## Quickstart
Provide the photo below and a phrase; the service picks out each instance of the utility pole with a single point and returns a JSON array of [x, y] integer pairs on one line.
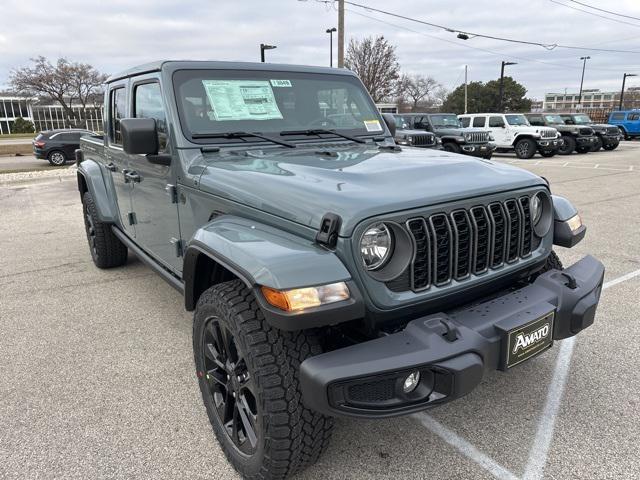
[[500, 109], [465, 89], [330, 31], [624, 79], [340, 33], [584, 64]]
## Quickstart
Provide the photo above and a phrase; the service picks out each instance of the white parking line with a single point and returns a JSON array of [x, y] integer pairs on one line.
[[539, 453]]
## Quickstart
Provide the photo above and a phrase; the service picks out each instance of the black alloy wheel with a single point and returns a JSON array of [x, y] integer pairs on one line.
[[230, 386], [91, 231], [525, 148]]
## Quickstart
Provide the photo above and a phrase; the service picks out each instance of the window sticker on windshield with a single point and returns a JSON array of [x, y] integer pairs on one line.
[[281, 83], [372, 126], [242, 100]]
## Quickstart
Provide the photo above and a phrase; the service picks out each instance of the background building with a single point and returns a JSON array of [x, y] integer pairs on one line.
[[591, 99], [45, 116]]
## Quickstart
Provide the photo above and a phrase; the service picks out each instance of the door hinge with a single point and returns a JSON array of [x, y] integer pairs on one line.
[[132, 218], [173, 192], [177, 243]]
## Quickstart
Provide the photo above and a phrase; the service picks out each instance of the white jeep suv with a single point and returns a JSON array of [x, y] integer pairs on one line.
[[513, 132]]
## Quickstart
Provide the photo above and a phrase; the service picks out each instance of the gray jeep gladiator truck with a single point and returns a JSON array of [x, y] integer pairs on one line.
[[331, 272], [609, 136], [453, 136], [576, 138]]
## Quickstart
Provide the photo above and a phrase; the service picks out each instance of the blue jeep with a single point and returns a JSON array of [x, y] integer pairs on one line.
[[628, 121]]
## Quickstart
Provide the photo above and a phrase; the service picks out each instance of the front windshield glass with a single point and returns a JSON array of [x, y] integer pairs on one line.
[[269, 102], [554, 119], [581, 119], [402, 122], [517, 120], [445, 121]]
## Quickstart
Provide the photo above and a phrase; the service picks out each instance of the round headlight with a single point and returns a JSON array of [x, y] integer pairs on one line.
[[375, 246], [536, 208]]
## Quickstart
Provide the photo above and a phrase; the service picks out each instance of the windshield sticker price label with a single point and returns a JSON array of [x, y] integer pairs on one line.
[[233, 100], [372, 126], [281, 83]]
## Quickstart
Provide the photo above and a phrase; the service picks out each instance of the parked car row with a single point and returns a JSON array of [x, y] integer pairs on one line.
[[481, 134]]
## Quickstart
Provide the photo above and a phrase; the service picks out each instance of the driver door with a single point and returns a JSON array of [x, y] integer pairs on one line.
[[498, 128]]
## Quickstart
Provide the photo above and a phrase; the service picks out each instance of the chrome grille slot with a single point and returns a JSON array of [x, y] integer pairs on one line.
[[525, 246], [547, 133], [467, 242], [481, 239], [585, 131], [499, 225], [613, 130], [462, 236], [422, 140], [479, 137], [442, 251], [420, 271]]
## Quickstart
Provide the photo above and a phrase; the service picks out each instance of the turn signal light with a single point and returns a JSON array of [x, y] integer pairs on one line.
[[574, 222], [302, 298]]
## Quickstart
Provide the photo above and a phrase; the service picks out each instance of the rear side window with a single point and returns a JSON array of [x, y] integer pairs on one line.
[[117, 111], [496, 122], [148, 104], [617, 116], [633, 116], [479, 121], [465, 121]]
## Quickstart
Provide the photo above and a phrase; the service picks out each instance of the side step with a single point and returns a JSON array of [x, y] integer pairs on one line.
[[169, 277]]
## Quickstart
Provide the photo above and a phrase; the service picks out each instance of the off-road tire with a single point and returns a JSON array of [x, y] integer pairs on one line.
[[290, 437], [568, 146], [107, 251], [525, 148], [611, 146], [624, 133], [487, 156], [553, 263], [598, 145], [57, 158], [583, 150], [452, 147], [548, 154]]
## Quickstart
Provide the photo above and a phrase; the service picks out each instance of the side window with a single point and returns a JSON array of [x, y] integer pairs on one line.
[[633, 116], [536, 120], [148, 104], [479, 121], [617, 116], [465, 121], [117, 111], [496, 122]]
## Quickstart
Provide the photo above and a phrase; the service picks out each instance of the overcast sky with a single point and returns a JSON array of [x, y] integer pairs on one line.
[[117, 34]]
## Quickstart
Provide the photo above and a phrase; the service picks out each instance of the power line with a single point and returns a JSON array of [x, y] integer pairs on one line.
[[548, 46], [595, 14], [603, 10]]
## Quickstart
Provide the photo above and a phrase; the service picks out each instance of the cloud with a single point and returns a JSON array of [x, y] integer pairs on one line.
[[117, 34]]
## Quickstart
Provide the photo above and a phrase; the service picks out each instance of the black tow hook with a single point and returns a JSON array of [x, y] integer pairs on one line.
[[572, 284], [451, 335]]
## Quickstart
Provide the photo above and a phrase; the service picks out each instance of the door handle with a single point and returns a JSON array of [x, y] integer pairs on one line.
[[111, 167], [131, 176]]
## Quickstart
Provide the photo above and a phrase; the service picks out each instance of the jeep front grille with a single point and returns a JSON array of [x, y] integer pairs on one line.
[[469, 242], [422, 140], [478, 137], [613, 131], [585, 131], [547, 133]]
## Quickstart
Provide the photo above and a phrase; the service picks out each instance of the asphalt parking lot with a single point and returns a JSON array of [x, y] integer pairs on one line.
[[97, 381]]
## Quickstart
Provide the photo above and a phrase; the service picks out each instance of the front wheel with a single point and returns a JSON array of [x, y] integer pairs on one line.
[[597, 145], [248, 373], [611, 146], [525, 148], [568, 145], [106, 249], [452, 147], [583, 150]]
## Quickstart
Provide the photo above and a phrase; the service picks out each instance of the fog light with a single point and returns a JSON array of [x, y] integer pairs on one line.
[[411, 382]]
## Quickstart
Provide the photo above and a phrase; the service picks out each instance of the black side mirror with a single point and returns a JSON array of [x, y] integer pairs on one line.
[[391, 123], [139, 136]]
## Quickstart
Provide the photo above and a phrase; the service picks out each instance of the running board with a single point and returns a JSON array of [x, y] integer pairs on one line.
[[169, 277]]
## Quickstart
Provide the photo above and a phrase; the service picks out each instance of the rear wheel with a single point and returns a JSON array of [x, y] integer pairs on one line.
[[452, 147], [57, 158], [568, 145], [248, 373], [525, 148], [106, 249]]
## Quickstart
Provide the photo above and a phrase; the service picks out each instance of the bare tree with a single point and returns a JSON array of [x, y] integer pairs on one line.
[[63, 82], [418, 89], [375, 61]]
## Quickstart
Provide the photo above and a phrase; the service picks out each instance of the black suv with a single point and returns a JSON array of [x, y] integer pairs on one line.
[[579, 138], [58, 146]]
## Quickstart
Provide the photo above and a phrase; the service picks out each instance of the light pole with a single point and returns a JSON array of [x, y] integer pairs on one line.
[[330, 32], [584, 64], [264, 47], [502, 82], [340, 33], [624, 79]]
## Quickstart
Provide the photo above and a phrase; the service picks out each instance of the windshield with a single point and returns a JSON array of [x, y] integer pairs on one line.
[[554, 119], [402, 122], [269, 102], [581, 119], [446, 121], [517, 120]]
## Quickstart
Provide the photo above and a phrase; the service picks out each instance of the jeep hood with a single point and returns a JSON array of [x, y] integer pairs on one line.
[[356, 183], [458, 132]]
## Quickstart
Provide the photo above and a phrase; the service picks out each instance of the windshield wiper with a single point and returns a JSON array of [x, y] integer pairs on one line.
[[231, 135], [319, 131]]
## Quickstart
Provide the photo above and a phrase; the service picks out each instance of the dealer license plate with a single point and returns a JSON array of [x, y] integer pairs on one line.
[[529, 340]]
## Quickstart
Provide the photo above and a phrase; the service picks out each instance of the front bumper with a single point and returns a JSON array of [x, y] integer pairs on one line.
[[480, 150], [609, 139], [451, 350], [549, 145], [586, 141]]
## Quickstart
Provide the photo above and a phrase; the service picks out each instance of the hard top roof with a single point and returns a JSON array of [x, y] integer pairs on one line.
[[219, 65]]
